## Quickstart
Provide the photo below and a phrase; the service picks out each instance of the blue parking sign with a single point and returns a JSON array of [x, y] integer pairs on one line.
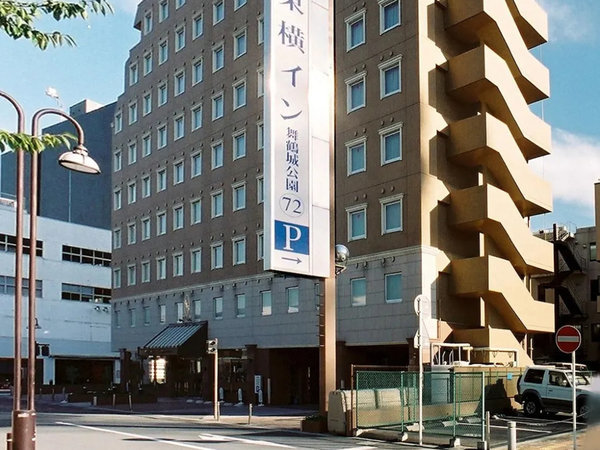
[[291, 237]]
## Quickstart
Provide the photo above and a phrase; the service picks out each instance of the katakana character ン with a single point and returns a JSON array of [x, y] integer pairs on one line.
[[293, 72], [292, 116], [294, 4], [292, 36]]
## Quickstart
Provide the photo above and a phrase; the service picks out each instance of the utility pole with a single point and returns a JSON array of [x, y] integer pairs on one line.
[[212, 349]]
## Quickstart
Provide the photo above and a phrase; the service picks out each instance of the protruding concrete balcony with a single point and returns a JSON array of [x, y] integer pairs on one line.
[[480, 75], [495, 280], [489, 210], [490, 21], [532, 21], [485, 141]]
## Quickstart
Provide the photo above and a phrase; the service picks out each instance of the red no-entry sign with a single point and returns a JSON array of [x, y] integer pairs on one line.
[[568, 339]]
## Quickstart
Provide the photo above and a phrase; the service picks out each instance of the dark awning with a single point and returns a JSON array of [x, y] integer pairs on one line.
[[180, 339]]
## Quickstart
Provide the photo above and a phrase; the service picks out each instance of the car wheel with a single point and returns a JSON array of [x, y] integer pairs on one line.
[[582, 410], [531, 407]]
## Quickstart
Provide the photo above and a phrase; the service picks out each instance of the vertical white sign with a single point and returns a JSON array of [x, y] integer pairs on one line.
[[298, 130]]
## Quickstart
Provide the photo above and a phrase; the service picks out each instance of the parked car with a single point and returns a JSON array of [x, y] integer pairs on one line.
[[548, 389]]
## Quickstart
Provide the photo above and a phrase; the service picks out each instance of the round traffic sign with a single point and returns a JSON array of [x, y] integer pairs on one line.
[[568, 339]]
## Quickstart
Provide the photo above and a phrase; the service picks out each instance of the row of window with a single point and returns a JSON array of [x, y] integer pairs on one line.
[[85, 256], [8, 243], [392, 289], [80, 293], [7, 286], [391, 217], [217, 250], [390, 16], [390, 148], [390, 83], [217, 148]]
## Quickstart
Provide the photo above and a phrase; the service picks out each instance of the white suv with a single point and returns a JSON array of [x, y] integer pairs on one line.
[[548, 389]]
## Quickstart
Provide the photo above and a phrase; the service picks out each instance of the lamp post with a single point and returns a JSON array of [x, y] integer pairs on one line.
[[23, 421]]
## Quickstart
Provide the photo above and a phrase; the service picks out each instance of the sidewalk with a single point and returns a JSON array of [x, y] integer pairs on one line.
[[588, 440]]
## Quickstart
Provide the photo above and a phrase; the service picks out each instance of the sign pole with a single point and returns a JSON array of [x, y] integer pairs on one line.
[[420, 343], [216, 387], [568, 340], [574, 389]]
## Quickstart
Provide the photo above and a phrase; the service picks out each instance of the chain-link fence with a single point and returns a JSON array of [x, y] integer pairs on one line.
[[453, 403]]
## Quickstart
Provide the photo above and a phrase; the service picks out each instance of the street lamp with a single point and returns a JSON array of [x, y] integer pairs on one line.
[[23, 421]]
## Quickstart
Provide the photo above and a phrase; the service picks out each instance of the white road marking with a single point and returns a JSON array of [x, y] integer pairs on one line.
[[139, 436], [245, 441], [530, 430], [358, 448]]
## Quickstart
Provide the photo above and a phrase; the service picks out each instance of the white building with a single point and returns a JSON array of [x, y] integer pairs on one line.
[[73, 311]]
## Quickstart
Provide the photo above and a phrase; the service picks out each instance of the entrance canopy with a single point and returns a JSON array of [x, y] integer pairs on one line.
[[178, 339]]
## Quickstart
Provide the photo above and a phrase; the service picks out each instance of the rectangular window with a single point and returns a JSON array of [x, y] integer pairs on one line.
[[162, 312], [147, 103], [197, 71], [217, 155], [261, 30], [217, 106], [196, 164], [82, 255], [218, 302], [116, 238], [116, 281], [196, 211], [355, 92], [240, 305], [216, 256], [118, 122], [260, 85], [239, 44], [390, 77], [133, 113], [146, 228], [393, 287], [147, 63], [260, 246], [218, 57], [132, 317], [161, 180], [594, 290], [145, 271], [218, 11], [163, 51], [358, 289], [293, 299], [391, 144], [131, 193], [178, 217], [161, 268], [179, 38], [161, 136], [357, 156], [237, 4], [178, 172], [146, 315], [355, 30], [131, 233], [179, 3], [179, 310], [197, 26], [131, 153], [147, 27], [131, 275], [595, 332], [239, 145], [216, 204], [146, 186], [239, 196], [196, 260], [133, 74], [239, 94], [117, 161], [389, 15], [391, 214], [260, 190], [163, 94], [197, 309], [260, 136], [117, 199], [357, 222], [239, 251], [266, 306], [163, 10], [146, 145], [178, 265], [179, 83], [593, 253], [197, 117], [161, 223]]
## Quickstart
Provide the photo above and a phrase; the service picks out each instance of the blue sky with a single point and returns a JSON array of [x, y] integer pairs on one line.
[[94, 69]]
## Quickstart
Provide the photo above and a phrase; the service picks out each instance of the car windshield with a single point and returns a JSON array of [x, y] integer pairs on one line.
[[582, 379]]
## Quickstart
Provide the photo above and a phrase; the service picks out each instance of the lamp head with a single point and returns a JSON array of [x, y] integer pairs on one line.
[[79, 160]]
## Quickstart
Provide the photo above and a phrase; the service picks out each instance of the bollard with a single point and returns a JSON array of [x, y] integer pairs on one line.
[[94, 401], [9, 441], [130, 404], [218, 411], [114, 402], [64, 392], [52, 394], [512, 436], [249, 413]]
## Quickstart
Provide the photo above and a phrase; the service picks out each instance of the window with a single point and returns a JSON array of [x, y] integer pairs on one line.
[[216, 256], [116, 238], [178, 217], [393, 287], [178, 172], [162, 312], [196, 211], [260, 245], [179, 83], [131, 153], [239, 196], [147, 63], [147, 103], [178, 265], [161, 268], [161, 180], [133, 113], [163, 94], [73, 292], [218, 57], [146, 315], [179, 38], [534, 376], [357, 222], [85, 256], [593, 252], [132, 317], [390, 77], [133, 74], [196, 161], [131, 233], [163, 51], [197, 26], [266, 306], [217, 106], [197, 71], [240, 305], [355, 30], [355, 93], [118, 122], [196, 260], [391, 144], [217, 155], [117, 196], [117, 160], [218, 302], [146, 186], [163, 10], [116, 281], [356, 154], [131, 275], [179, 311], [391, 214], [389, 15], [239, 94], [145, 271], [218, 11], [161, 136], [118, 319], [216, 204], [237, 4], [595, 332], [196, 117], [178, 127], [239, 251], [260, 190], [261, 30], [293, 299], [358, 289], [179, 3], [239, 44], [147, 26], [146, 228], [146, 145], [260, 85], [161, 223], [131, 193], [260, 136], [197, 309], [239, 145], [594, 290]]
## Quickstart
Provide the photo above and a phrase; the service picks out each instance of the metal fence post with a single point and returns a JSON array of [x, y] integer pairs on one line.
[[453, 378], [483, 405]]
